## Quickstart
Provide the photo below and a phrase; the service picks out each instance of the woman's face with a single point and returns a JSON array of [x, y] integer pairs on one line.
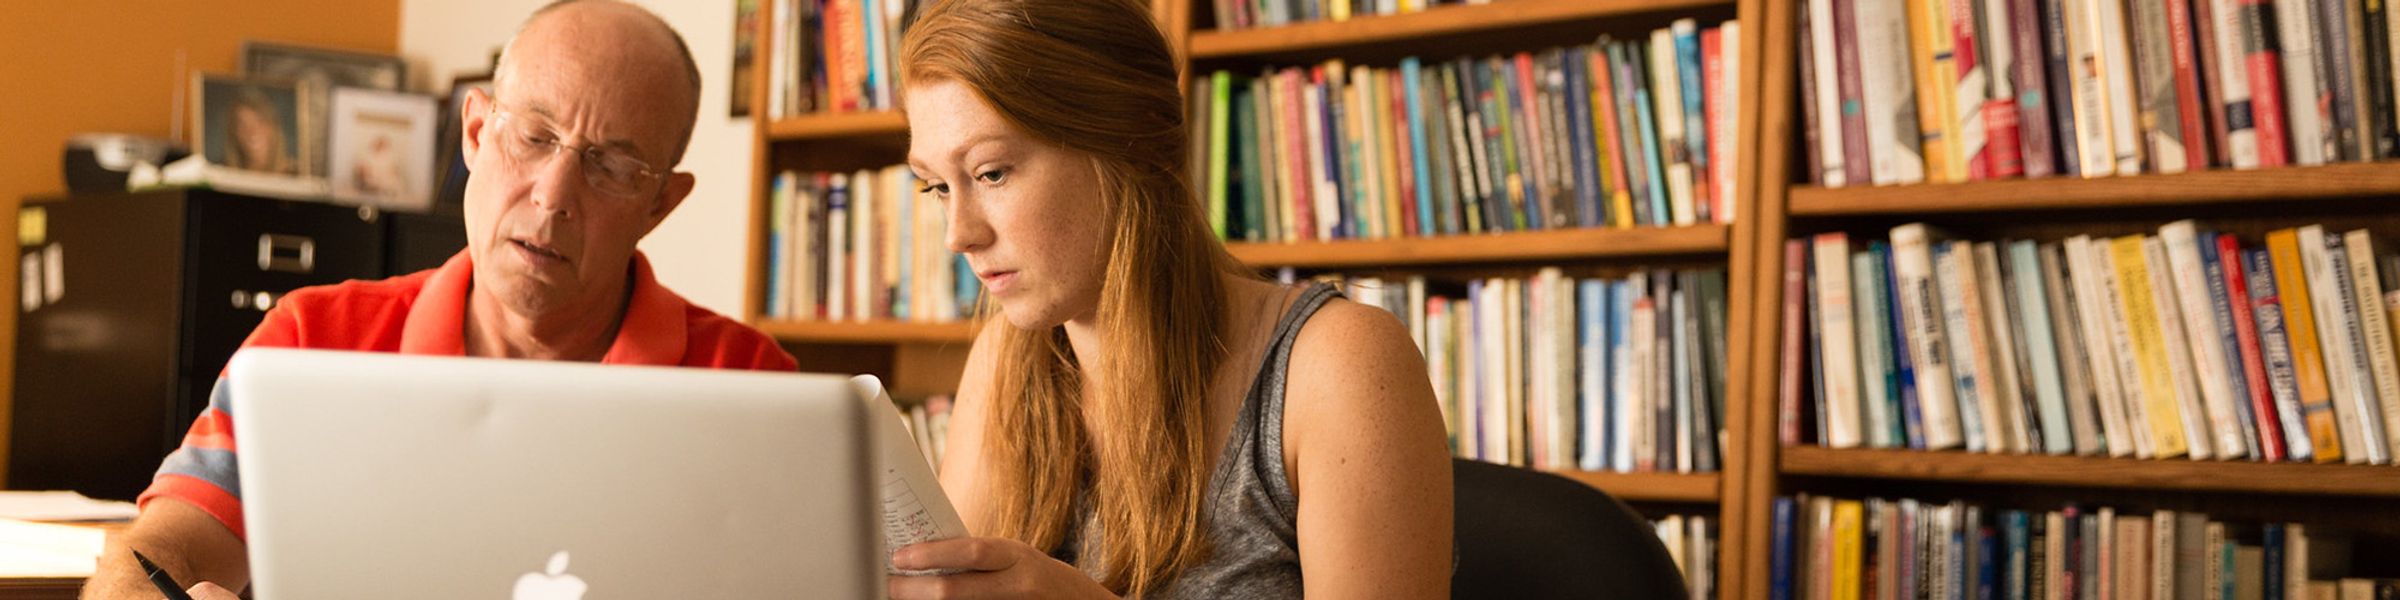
[[257, 135], [1027, 214]]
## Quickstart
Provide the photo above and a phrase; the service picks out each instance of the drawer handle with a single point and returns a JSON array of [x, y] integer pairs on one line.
[[287, 253]]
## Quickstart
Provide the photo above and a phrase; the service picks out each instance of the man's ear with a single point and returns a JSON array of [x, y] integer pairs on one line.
[[679, 186], [474, 112]]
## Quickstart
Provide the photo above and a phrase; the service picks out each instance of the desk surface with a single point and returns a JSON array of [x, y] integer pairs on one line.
[[52, 588]]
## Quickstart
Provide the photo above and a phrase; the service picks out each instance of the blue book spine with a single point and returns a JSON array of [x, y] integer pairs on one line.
[[2275, 345], [1904, 371], [1647, 126], [1695, 108], [1592, 302], [1779, 573], [1987, 565], [2212, 267], [2015, 582], [1470, 402], [1412, 78], [1620, 342], [1589, 210], [2272, 549]]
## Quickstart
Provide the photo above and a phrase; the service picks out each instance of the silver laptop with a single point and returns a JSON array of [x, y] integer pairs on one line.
[[385, 476]]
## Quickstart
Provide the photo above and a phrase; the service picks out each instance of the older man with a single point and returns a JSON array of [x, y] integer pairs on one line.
[[572, 159]]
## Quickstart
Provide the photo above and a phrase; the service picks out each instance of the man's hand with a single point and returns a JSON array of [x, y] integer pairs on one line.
[[993, 568], [188, 543]]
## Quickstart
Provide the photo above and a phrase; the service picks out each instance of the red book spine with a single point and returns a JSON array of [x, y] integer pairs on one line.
[[2001, 150], [2188, 100], [2040, 157], [1795, 290], [1963, 49], [2265, 64], [1713, 99], [2254, 365], [1304, 208], [2202, 15], [1860, 169], [1531, 164]]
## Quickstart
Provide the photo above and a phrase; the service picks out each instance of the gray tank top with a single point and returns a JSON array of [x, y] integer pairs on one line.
[[1254, 547]]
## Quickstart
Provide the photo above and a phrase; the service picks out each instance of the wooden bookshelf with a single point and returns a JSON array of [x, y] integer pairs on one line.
[[838, 125], [2095, 472], [1439, 21], [868, 332], [1689, 488], [1531, 246], [2350, 180]]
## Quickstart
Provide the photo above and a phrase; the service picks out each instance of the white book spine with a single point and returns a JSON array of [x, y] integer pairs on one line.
[[2333, 337], [1954, 273], [2088, 79], [1821, 33], [1512, 349], [2375, 328], [2200, 321], [2295, 23], [2234, 79], [1921, 313], [1645, 345], [1626, 414], [2188, 404], [2095, 313], [1592, 295], [1839, 335], [1725, 157], [1322, 189], [863, 204], [2010, 389], [1570, 409], [2113, 39], [1492, 353], [1667, 94], [2078, 387], [1885, 75]]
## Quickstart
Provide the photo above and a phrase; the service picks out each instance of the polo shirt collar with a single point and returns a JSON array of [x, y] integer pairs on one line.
[[652, 332]]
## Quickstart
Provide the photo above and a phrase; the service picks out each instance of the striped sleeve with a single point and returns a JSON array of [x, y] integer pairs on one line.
[[203, 472]]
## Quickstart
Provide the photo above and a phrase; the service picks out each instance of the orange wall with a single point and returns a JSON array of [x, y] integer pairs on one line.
[[72, 66]]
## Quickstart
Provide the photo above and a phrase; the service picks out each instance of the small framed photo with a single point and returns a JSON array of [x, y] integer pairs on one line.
[[382, 148], [249, 125], [317, 71]]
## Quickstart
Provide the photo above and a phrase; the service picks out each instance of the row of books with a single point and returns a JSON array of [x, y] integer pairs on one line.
[[2187, 343], [1691, 540], [1841, 548], [858, 247], [1554, 372], [834, 56], [1246, 14], [1904, 91], [1620, 133]]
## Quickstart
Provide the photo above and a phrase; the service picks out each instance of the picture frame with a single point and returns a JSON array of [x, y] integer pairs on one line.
[[382, 148], [250, 125], [317, 71], [451, 184]]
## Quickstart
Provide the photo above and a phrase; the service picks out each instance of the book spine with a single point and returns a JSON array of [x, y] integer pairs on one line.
[[2003, 149], [2058, 95], [1874, 362], [2080, 384], [2241, 294], [2190, 291], [1584, 156], [2342, 73], [1647, 128], [2007, 350], [2123, 419], [2275, 350], [1928, 55], [2231, 317], [2143, 321], [1610, 142], [2312, 375], [1973, 88], [2041, 348], [2190, 400], [2317, 255], [2382, 140], [1725, 110], [2110, 27], [1668, 123], [1690, 73], [1912, 262], [1835, 320], [1851, 92], [2375, 330], [2033, 89], [1825, 84], [1465, 155], [2191, 37], [2241, 136], [2095, 134], [1904, 384], [2304, 89], [1893, 147], [1962, 315], [2263, 63]]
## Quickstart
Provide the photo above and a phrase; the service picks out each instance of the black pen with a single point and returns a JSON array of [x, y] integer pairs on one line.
[[158, 577]]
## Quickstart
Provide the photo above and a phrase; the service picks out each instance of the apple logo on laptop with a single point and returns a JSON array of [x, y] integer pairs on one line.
[[553, 584]]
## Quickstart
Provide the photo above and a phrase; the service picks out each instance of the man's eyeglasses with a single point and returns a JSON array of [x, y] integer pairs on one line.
[[527, 143]]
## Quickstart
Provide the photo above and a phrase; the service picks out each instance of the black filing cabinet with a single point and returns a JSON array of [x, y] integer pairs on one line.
[[129, 307]]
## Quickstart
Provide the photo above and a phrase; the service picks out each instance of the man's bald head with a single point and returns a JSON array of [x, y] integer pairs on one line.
[[612, 34]]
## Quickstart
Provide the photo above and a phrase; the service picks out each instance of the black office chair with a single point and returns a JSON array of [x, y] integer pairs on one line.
[[1525, 534]]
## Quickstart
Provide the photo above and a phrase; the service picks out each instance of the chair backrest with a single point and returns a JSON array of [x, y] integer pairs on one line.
[[1525, 534]]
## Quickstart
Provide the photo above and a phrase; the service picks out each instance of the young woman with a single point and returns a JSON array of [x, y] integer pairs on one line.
[[1144, 417]]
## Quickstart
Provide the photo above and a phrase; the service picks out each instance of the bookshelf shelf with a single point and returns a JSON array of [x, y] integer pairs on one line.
[[1439, 21], [2076, 471], [868, 332], [1693, 488], [838, 125], [1529, 246], [2182, 189]]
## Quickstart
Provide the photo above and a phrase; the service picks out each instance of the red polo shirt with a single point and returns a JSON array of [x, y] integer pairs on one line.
[[425, 313]]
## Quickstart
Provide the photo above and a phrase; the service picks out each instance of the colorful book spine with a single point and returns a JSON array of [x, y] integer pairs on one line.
[[2275, 350], [2035, 134], [2263, 63], [2309, 367], [2259, 385]]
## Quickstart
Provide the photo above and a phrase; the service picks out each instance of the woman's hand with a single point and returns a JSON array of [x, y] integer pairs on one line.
[[987, 568]]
